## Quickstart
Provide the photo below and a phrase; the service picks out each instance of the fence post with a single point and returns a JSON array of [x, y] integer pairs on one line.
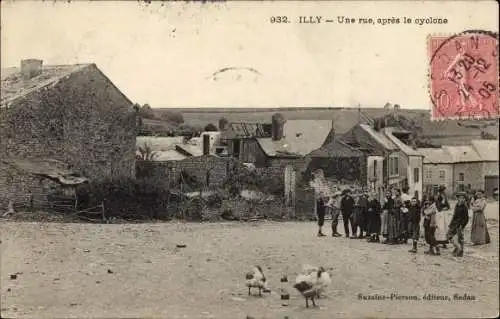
[[102, 212], [31, 203]]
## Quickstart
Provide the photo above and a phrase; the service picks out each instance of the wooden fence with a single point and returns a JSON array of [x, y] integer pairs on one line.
[[66, 205]]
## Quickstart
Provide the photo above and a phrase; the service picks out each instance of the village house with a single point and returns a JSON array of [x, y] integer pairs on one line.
[[461, 168], [411, 159], [390, 162], [341, 162], [72, 114], [280, 149], [279, 144], [488, 152]]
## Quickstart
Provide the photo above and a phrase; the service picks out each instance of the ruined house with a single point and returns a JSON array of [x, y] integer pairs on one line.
[[69, 113], [279, 143]]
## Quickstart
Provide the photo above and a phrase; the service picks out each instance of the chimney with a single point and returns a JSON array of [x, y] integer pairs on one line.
[[206, 144], [31, 68], [278, 123], [223, 124], [396, 111]]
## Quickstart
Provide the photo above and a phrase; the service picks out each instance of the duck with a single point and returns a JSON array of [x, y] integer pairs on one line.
[[256, 279], [312, 283]]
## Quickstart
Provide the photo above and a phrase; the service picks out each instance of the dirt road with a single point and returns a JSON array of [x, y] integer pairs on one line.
[[62, 271]]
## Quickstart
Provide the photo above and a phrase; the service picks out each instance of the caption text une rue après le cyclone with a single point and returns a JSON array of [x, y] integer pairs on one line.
[[345, 20]]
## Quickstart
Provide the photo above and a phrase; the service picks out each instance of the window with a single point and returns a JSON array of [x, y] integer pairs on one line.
[[461, 187], [393, 166], [442, 175], [461, 177], [428, 174], [374, 169], [416, 175]]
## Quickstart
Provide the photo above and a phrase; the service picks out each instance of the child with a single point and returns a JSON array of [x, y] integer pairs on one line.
[[430, 212], [414, 212], [458, 222]]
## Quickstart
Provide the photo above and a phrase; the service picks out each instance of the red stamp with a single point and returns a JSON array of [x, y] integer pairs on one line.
[[464, 75]]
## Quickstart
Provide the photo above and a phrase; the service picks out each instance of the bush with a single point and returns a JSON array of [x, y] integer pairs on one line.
[[259, 180], [130, 199], [214, 201], [210, 128]]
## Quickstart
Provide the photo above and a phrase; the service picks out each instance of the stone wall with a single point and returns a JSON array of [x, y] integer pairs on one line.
[[473, 175], [168, 173], [438, 174], [31, 127], [99, 126], [82, 120], [19, 187], [205, 168]]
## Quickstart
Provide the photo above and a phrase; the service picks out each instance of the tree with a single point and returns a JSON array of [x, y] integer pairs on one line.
[[172, 116], [145, 111], [223, 122], [137, 108], [211, 128], [146, 152]]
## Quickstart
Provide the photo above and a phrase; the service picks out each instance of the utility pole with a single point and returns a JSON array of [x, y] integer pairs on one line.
[[359, 113]]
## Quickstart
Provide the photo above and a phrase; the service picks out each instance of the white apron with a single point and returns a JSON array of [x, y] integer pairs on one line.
[[442, 223]]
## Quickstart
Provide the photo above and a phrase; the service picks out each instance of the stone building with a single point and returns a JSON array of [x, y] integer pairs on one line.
[[464, 167], [69, 113]]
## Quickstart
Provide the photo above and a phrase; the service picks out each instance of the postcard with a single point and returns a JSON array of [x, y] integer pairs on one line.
[[249, 159]]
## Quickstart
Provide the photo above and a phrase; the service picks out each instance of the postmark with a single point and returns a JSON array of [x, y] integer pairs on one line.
[[464, 76]]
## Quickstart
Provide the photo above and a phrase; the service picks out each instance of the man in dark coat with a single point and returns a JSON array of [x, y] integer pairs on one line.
[[346, 207], [321, 211], [458, 222], [363, 220], [405, 220], [414, 216]]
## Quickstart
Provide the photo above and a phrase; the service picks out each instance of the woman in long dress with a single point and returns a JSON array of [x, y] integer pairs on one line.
[[479, 231], [394, 224], [384, 217], [443, 208]]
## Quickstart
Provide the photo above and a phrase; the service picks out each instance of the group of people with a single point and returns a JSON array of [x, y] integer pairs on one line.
[[398, 218]]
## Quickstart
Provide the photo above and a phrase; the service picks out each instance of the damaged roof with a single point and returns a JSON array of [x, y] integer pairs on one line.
[[237, 130], [408, 150], [380, 137], [337, 149], [50, 168], [300, 137], [14, 86]]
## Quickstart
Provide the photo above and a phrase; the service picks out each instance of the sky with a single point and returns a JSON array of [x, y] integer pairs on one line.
[[165, 55]]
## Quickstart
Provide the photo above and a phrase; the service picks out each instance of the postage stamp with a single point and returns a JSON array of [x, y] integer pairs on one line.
[[464, 75]]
